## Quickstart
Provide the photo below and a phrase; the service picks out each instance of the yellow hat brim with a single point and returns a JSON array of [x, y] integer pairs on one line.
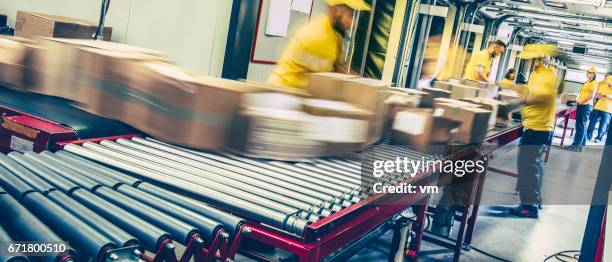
[[357, 5]]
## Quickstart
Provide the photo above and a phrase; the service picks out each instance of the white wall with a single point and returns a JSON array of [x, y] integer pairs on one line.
[[192, 33], [259, 72]]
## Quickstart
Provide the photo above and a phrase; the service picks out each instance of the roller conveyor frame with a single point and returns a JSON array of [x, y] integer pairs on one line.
[[330, 233], [319, 238]]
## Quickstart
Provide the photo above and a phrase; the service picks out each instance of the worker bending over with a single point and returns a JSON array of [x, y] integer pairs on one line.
[[602, 110], [479, 67], [316, 46], [538, 118], [585, 106]]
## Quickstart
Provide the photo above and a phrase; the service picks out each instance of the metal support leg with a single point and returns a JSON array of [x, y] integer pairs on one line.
[[401, 230]]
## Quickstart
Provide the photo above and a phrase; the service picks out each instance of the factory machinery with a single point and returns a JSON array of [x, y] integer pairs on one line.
[[130, 196]]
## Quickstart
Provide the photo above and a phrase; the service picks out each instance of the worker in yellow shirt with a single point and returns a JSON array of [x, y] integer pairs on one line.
[[602, 110], [509, 78], [538, 118], [479, 66], [585, 106], [316, 46]]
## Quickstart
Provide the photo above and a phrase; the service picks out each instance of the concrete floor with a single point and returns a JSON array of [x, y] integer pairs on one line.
[[559, 227]]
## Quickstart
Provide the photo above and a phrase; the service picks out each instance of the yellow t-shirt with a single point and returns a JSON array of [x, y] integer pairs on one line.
[[604, 103], [481, 58], [588, 89], [541, 86], [315, 48]]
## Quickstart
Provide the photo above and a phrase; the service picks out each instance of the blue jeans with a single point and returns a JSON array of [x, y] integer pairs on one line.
[[532, 146], [603, 118], [582, 115]]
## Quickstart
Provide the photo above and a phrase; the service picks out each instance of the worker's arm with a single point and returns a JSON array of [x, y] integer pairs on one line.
[[480, 74]]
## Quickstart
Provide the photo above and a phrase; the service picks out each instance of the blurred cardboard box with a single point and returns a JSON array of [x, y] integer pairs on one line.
[[341, 127], [568, 99], [488, 90], [67, 65], [33, 25], [423, 130], [428, 101], [397, 102], [442, 85], [365, 93], [463, 91], [418, 95], [275, 134], [474, 121], [488, 104], [509, 95], [454, 101], [16, 58]]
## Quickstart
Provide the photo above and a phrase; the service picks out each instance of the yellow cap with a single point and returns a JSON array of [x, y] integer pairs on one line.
[[591, 69], [358, 5], [532, 51]]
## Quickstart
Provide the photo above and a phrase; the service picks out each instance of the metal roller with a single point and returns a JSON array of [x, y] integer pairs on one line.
[[120, 237], [340, 166], [14, 185], [230, 222], [266, 175], [227, 178], [190, 178], [207, 227], [150, 236], [59, 182], [179, 230], [312, 168], [27, 227], [78, 163], [58, 164], [6, 238], [257, 211], [110, 230], [34, 181], [327, 181], [352, 164], [235, 173], [88, 240]]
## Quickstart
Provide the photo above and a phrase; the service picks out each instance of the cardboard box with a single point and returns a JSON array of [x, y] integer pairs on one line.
[[67, 65], [567, 99], [442, 85], [368, 94], [491, 88], [474, 121], [428, 101], [275, 134], [488, 104], [33, 25], [422, 130], [454, 101], [463, 91], [509, 95], [341, 127], [398, 102], [417, 94], [16, 56]]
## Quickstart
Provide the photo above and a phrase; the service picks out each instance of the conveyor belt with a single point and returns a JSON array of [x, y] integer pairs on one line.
[[100, 212], [86, 125], [288, 196]]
